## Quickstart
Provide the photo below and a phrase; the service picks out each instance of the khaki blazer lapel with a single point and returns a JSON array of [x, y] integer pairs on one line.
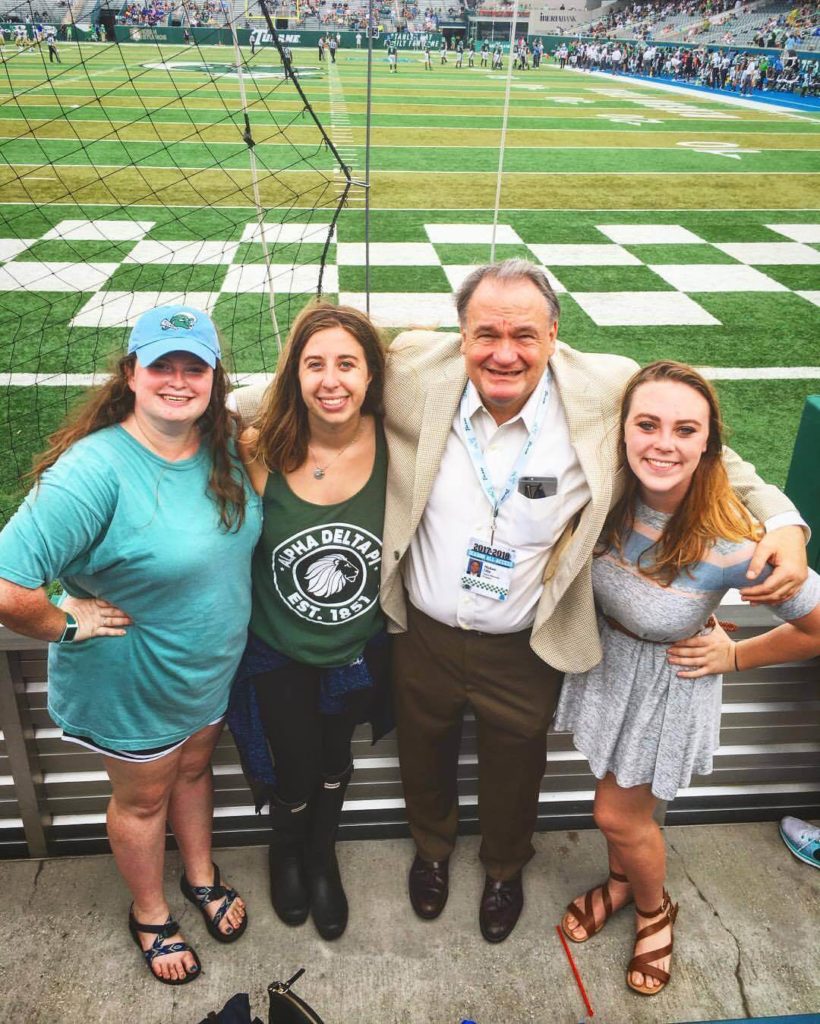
[[440, 408]]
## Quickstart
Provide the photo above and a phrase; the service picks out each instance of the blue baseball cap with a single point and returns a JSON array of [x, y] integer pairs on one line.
[[174, 329]]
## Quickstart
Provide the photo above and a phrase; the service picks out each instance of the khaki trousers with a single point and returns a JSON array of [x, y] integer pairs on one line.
[[438, 672]]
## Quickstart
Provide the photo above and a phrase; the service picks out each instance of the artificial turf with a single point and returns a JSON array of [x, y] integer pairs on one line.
[[162, 148]]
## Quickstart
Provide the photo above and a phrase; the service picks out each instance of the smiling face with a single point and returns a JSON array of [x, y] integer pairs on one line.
[[333, 377], [507, 337], [174, 390], [666, 432]]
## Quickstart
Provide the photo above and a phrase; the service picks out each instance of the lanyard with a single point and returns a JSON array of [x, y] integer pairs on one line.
[[480, 463]]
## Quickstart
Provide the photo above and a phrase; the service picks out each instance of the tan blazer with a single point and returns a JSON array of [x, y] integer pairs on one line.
[[425, 380]]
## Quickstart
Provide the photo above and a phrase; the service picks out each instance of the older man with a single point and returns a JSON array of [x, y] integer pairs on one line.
[[503, 466]]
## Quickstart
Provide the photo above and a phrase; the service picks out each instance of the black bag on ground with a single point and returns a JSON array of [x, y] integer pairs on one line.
[[287, 1008], [237, 1010]]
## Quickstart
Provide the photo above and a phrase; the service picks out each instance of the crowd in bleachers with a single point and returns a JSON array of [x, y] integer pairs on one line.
[[147, 13], [716, 21], [643, 20], [725, 70], [797, 26], [157, 12]]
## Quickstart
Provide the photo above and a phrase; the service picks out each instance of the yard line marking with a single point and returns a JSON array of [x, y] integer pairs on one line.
[[538, 174]]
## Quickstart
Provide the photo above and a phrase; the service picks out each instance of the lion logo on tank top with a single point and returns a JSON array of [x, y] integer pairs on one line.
[[328, 574]]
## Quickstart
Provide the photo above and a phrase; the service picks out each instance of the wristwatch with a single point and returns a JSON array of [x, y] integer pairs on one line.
[[70, 631]]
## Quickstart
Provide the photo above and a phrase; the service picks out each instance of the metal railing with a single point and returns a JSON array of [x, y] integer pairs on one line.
[[53, 795]]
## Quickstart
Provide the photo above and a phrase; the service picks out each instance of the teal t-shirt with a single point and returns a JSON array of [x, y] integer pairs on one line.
[[111, 519]]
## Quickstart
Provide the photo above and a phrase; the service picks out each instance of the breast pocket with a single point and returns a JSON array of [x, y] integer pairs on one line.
[[538, 521]]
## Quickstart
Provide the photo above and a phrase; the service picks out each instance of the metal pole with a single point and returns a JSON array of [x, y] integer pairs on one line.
[[22, 757], [503, 131], [367, 157]]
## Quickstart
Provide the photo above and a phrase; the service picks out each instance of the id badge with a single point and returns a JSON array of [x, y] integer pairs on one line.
[[489, 568]]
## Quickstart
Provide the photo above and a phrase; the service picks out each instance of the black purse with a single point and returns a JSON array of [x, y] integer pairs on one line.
[[287, 1008], [237, 1010]]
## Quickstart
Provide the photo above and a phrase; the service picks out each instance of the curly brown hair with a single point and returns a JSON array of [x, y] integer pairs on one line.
[[283, 433], [710, 509], [113, 401]]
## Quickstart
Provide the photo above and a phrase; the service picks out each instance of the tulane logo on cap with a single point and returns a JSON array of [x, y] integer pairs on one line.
[[328, 574], [179, 321]]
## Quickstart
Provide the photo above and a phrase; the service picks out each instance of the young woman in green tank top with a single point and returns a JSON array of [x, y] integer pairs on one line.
[[317, 456]]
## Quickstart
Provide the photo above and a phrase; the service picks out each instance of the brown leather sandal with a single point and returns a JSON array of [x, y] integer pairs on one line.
[[645, 962], [586, 917]]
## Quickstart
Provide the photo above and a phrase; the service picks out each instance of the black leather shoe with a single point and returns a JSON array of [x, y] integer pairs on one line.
[[429, 885], [501, 905]]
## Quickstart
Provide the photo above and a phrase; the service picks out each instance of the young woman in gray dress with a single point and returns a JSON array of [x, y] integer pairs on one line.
[[647, 717]]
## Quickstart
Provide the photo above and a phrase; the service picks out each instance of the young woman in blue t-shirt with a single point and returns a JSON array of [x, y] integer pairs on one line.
[[144, 514]]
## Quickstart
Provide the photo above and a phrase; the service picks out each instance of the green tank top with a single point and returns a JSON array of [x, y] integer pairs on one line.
[[316, 570]]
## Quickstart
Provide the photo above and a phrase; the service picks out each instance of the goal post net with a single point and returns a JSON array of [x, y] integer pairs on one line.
[[137, 171]]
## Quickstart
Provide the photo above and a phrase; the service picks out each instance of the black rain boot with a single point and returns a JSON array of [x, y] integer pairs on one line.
[[328, 903], [288, 885]]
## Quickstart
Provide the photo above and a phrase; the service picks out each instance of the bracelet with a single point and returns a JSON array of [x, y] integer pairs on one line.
[[734, 653], [70, 631]]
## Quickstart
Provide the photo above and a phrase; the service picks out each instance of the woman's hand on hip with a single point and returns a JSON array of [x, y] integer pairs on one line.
[[96, 617], [709, 654]]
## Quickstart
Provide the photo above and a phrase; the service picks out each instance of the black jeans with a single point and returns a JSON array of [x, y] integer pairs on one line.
[[306, 745]]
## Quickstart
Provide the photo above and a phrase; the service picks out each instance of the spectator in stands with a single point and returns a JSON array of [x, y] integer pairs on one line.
[[142, 511], [675, 541], [317, 455]]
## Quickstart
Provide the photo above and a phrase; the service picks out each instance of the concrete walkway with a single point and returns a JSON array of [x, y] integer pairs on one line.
[[746, 944]]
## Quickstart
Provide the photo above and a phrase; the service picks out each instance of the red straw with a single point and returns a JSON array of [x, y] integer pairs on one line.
[[578, 982]]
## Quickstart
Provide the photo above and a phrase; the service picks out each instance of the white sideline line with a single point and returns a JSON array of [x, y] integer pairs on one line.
[[86, 380], [442, 211], [521, 174]]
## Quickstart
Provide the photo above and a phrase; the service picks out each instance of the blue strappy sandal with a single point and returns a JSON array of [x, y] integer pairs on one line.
[[202, 895], [160, 948]]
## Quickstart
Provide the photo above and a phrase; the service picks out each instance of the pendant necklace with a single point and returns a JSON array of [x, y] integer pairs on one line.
[[319, 472]]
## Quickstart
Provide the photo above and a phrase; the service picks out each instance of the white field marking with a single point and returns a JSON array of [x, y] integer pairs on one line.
[[474, 209], [708, 97], [117, 125], [716, 115], [62, 380], [719, 148], [521, 174]]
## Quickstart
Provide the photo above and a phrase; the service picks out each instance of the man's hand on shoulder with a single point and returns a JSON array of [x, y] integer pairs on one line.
[[785, 549]]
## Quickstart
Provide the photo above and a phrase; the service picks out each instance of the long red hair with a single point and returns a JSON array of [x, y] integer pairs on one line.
[[710, 509]]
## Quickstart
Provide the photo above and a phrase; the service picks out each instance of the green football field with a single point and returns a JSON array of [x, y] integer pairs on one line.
[[672, 224]]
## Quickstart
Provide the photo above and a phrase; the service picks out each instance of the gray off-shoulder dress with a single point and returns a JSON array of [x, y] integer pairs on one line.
[[632, 715]]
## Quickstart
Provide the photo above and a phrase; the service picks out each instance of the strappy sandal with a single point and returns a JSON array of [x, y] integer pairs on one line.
[[586, 917], [202, 895], [644, 963], [160, 948]]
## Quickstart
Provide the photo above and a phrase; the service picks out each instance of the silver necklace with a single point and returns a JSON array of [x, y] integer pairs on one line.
[[320, 471]]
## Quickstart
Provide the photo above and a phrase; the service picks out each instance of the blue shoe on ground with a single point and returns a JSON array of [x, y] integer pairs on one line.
[[802, 839]]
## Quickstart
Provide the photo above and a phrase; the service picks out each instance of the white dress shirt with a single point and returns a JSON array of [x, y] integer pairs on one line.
[[458, 510]]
